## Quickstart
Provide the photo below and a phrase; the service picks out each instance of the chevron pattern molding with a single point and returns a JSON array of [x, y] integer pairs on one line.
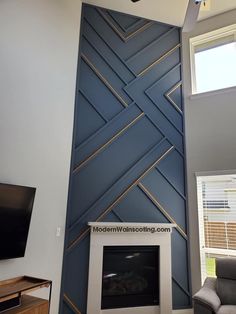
[[128, 160]]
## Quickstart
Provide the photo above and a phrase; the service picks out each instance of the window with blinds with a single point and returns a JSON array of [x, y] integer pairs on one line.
[[217, 219]]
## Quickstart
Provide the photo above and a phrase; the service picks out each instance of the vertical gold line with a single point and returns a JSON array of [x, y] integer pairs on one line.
[[162, 209], [68, 300], [108, 143], [102, 78]]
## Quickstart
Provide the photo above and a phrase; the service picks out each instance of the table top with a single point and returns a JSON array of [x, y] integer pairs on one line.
[[21, 285]]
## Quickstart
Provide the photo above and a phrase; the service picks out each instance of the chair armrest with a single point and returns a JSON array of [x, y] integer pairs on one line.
[[207, 295], [200, 308]]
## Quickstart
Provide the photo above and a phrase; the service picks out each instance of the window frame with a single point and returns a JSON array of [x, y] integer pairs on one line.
[[200, 177], [205, 38]]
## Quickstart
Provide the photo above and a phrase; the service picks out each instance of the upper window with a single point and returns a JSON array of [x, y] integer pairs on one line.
[[213, 60]]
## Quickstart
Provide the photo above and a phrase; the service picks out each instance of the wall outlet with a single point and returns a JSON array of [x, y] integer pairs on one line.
[[58, 232]]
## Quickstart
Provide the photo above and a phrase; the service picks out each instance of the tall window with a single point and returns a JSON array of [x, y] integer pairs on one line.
[[217, 219], [213, 60]]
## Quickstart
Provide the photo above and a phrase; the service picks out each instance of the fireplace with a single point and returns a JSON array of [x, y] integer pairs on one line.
[[130, 268], [130, 276]]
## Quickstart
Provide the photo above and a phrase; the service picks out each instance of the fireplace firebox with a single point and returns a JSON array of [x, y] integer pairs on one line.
[[130, 276]]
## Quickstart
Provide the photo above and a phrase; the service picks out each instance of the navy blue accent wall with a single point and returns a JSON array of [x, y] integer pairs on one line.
[[128, 160]]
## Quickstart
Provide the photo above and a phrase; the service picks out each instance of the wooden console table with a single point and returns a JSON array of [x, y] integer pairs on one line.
[[13, 293]]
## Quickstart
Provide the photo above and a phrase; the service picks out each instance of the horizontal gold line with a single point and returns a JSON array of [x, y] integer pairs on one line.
[[121, 196], [159, 60], [171, 100], [108, 143], [102, 78], [74, 307], [162, 209], [125, 38]]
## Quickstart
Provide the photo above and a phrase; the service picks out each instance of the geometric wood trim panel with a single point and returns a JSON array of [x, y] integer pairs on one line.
[[128, 158]]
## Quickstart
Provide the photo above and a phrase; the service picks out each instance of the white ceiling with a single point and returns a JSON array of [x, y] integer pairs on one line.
[[217, 7], [166, 11], [158, 10]]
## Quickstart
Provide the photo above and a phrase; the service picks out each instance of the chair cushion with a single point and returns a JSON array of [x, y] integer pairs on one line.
[[226, 268], [226, 290], [227, 309]]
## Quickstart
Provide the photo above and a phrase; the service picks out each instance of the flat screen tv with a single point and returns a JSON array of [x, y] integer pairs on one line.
[[16, 204]]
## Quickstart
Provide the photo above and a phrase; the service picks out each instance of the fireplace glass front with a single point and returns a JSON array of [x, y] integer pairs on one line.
[[130, 276]]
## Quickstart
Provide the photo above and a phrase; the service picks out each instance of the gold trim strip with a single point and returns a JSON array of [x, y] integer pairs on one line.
[[141, 29], [171, 100], [116, 30], [108, 143], [108, 85], [81, 236], [162, 209], [158, 60], [106, 211], [134, 183], [74, 307]]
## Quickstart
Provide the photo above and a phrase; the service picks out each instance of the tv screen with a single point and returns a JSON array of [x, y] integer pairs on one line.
[[16, 203]]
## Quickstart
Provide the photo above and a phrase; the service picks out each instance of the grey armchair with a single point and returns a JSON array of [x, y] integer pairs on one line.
[[218, 295]]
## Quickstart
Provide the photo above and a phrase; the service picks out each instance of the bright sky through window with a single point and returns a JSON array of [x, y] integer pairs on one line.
[[216, 68]]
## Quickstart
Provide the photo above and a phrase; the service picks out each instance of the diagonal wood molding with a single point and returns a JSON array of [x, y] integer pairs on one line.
[[128, 157]]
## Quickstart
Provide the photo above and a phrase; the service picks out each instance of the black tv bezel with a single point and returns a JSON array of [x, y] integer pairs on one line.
[[30, 208]]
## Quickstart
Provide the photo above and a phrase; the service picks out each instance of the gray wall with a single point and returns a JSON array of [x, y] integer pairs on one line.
[[210, 133], [38, 61]]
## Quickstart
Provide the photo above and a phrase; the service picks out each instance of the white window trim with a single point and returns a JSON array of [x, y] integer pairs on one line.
[[215, 173], [202, 39], [214, 176]]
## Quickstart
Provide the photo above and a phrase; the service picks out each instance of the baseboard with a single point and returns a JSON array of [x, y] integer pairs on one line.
[[187, 311]]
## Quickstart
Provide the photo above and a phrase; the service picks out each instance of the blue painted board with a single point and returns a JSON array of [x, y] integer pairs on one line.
[[128, 156]]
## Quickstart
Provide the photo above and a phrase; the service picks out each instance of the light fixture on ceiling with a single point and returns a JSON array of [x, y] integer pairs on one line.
[[135, 0]]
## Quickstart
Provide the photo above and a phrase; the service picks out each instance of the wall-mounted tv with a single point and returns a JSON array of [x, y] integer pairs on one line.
[[16, 204]]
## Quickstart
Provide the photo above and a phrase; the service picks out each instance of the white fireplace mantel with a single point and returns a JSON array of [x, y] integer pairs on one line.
[[125, 234]]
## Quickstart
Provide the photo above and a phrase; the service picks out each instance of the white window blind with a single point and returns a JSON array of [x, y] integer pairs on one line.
[[217, 219]]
